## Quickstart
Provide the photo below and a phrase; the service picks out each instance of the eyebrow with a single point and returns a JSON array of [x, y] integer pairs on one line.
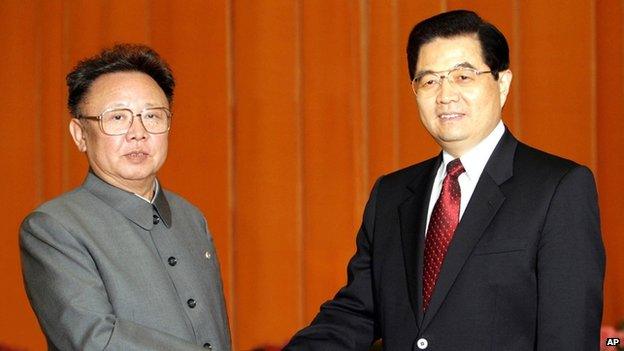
[[464, 64]]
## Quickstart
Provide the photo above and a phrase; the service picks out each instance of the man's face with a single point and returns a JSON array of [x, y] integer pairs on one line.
[[128, 161], [458, 118]]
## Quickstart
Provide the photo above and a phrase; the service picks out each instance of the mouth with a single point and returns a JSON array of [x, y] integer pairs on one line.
[[137, 155], [451, 116]]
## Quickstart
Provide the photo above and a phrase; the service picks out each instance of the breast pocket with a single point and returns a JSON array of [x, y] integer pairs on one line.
[[506, 265], [500, 247]]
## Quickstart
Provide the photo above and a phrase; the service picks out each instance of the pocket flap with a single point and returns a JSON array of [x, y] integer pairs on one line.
[[501, 246]]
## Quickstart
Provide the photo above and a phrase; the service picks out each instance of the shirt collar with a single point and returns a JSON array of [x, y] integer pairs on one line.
[[155, 187], [128, 204], [475, 159]]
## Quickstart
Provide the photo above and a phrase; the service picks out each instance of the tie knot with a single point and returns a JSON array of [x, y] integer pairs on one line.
[[454, 168]]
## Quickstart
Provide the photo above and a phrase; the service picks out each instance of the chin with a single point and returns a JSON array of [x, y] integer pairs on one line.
[[451, 137], [137, 176]]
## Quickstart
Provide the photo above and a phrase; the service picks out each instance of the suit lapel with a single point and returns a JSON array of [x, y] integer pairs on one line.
[[413, 218], [484, 203]]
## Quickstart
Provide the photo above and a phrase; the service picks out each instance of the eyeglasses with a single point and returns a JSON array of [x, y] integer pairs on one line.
[[428, 83], [155, 120]]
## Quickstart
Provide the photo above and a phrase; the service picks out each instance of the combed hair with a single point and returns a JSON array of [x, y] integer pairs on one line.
[[495, 49], [119, 58]]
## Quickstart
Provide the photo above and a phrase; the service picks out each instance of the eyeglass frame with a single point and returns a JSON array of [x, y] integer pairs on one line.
[[448, 72], [140, 115]]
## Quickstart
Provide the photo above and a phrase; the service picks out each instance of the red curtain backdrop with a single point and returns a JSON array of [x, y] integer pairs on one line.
[[285, 113]]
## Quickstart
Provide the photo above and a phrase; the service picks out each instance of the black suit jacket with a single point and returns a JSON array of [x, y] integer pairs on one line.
[[524, 270]]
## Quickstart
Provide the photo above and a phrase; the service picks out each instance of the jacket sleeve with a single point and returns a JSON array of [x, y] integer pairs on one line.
[[347, 322], [571, 267], [69, 298]]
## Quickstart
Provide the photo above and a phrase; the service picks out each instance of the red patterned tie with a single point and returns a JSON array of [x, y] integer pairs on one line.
[[442, 224]]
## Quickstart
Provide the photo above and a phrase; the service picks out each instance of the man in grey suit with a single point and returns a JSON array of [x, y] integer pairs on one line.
[[120, 263]]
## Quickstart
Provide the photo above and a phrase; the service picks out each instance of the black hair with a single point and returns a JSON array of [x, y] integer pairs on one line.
[[494, 47], [119, 58]]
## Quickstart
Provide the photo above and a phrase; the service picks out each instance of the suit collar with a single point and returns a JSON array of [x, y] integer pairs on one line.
[[482, 207], [128, 204], [427, 174], [500, 164]]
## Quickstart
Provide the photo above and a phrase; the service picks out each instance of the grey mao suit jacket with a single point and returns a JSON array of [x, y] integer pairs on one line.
[[106, 270]]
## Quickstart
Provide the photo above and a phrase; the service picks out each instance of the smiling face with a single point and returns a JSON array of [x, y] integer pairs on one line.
[[128, 161], [458, 118]]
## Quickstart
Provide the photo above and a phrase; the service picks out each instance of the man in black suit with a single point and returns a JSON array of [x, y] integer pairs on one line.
[[491, 245]]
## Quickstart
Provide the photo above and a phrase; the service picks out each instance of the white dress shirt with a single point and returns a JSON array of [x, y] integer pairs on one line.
[[474, 162], [156, 188]]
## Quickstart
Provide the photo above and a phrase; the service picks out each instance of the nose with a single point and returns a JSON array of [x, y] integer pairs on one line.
[[137, 130], [447, 92]]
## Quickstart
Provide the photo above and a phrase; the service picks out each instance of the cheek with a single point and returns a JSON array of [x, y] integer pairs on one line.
[[161, 143], [473, 98], [106, 148], [426, 108], [478, 103], [486, 98]]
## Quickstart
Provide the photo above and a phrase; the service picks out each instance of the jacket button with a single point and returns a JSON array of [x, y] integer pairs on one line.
[[191, 303], [172, 261], [422, 343], [208, 346], [207, 255], [156, 219]]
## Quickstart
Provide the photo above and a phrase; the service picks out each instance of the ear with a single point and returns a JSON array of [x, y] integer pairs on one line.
[[504, 82], [76, 129]]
